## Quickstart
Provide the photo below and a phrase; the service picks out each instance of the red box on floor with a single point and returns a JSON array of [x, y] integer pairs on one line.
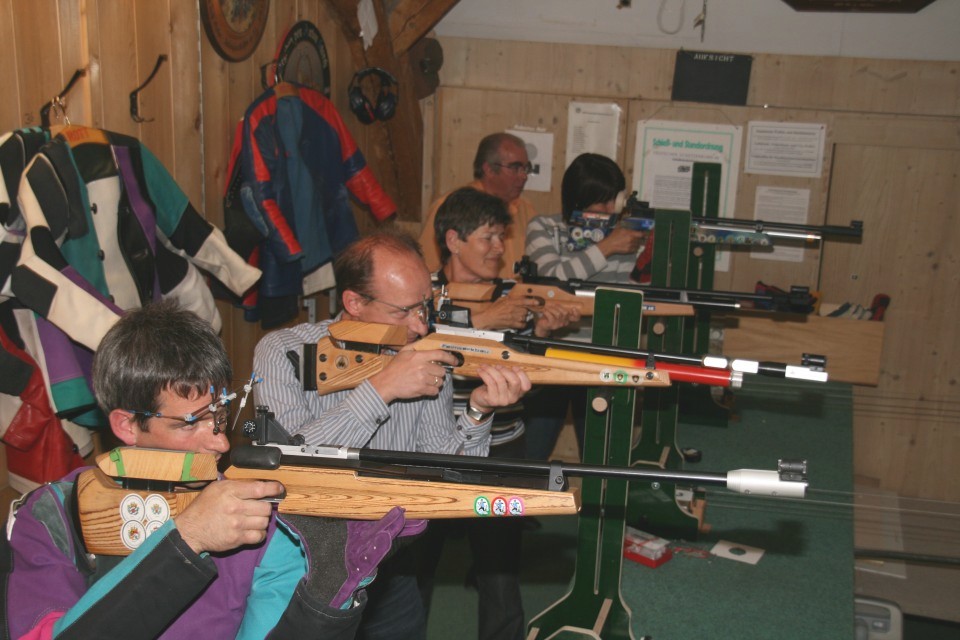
[[645, 548]]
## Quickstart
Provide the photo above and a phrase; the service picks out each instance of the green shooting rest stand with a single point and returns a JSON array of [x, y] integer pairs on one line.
[[593, 607]]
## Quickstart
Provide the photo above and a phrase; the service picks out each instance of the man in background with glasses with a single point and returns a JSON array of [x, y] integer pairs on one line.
[[500, 168], [227, 566], [407, 406]]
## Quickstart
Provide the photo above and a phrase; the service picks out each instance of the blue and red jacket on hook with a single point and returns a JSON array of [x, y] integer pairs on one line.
[[299, 167]]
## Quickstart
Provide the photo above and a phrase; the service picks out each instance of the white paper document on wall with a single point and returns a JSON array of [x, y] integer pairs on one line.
[[540, 152], [593, 127], [664, 158], [778, 204], [785, 149]]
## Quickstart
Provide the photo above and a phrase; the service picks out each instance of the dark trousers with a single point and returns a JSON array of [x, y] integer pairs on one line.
[[544, 414], [495, 544], [394, 607]]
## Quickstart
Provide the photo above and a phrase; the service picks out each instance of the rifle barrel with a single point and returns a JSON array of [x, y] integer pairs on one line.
[[789, 480]]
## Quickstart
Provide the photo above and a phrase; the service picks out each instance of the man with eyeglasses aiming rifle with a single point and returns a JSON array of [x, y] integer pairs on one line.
[[500, 168], [226, 566], [407, 406]]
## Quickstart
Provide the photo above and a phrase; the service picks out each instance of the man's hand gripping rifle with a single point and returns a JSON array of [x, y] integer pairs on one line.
[[354, 351], [133, 491]]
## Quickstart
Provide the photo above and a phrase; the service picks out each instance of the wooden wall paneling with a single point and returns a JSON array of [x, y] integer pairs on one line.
[[183, 98], [38, 60], [218, 121], [910, 198], [118, 64], [612, 72], [896, 131], [91, 12], [154, 38], [73, 52], [809, 82], [10, 109], [856, 84]]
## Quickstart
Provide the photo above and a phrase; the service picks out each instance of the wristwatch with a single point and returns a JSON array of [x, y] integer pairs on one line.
[[476, 414]]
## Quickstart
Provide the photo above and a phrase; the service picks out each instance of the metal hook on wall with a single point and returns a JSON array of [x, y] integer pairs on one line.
[[135, 94], [57, 100]]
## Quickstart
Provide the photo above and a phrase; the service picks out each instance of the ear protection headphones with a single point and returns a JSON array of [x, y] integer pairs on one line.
[[387, 96]]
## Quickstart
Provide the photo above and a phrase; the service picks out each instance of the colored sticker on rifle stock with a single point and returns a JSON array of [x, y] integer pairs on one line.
[[132, 508], [141, 517], [481, 506], [132, 534], [506, 507], [619, 376]]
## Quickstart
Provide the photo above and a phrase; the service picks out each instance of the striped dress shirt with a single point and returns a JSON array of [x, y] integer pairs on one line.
[[358, 417]]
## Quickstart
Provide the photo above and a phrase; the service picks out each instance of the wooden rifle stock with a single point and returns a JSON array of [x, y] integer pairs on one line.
[[478, 295], [354, 351], [115, 520], [361, 484]]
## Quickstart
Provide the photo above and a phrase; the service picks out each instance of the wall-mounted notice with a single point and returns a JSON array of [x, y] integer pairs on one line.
[[593, 127], [785, 149], [664, 160], [540, 153], [790, 206], [665, 155]]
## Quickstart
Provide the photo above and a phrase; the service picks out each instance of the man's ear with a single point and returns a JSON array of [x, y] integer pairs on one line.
[[353, 302], [452, 240], [124, 426]]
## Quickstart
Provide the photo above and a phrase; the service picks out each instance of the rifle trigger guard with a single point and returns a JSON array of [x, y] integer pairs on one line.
[[457, 355]]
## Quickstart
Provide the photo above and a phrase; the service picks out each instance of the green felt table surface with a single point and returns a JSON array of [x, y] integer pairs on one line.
[[802, 587]]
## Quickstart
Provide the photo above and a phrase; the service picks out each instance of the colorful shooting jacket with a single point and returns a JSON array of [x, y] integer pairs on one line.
[[50, 587], [299, 167], [105, 228]]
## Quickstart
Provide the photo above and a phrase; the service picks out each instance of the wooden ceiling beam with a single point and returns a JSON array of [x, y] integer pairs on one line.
[[397, 153], [410, 20]]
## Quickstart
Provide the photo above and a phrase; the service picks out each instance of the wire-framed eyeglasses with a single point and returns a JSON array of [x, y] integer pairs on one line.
[[421, 309], [217, 413], [516, 167]]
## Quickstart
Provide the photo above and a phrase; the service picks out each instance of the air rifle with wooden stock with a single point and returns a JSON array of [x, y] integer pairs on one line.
[[454, 300], [355, 351], [584, 291], [132, 492]]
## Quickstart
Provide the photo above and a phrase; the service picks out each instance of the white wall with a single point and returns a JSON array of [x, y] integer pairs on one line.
[[739, 26]]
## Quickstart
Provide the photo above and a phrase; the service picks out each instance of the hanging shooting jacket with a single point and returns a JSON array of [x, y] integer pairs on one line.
[[299, 165], [106, 229]]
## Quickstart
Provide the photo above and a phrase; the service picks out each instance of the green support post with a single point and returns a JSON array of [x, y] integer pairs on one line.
[[593, 607], [668, 510], [665, 510]]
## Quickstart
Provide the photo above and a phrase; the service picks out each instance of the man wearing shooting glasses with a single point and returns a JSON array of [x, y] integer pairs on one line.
[[500, 168], [227, 566], [407, 406]]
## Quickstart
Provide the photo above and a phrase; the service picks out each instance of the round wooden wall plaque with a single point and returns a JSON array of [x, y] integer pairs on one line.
[[234, 27]]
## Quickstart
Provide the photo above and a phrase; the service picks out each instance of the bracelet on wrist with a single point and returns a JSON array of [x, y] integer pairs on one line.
[[476, 414]]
